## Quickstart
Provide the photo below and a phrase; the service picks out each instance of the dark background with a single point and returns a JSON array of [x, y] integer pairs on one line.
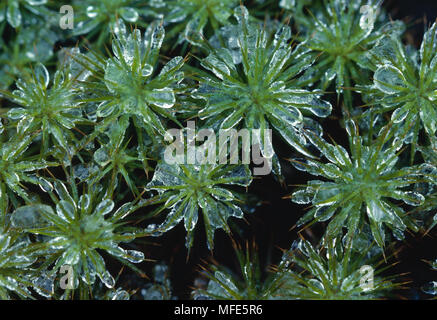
[[269, 226]]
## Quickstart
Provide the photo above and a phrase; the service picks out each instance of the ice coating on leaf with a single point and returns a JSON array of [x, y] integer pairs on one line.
[[104, 207], [365, 177], [388, 79], [30, 216], [134, 256], [119, 295], [107, 279], [42, 75], [302, 196], [430, 288], [268, 94], [129, 14], [191, 189], [65, 210], [163, 98], [44, 285]]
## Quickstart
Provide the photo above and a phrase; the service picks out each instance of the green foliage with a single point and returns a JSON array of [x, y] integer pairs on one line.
[[76, 230], [86, 117], [405, 82], [100, 18], [332, 272], [54, 110], [187, 188], [362, 181], [342, 33], [254, 83], [16, 257], [224, 285]]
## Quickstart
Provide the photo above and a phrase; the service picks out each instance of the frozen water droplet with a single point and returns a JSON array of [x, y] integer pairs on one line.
[[216, 65], [375, 210], [101, 156], [430, 288], [119, 29], [163, 98], [134, 256], [129, 14], [42, 75], [92, 12], [400, 114], [107, 279], [389, 79], [302, 196], [413, 198]]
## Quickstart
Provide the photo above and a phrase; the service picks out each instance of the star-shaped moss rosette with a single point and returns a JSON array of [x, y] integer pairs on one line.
[[115, 158], [77, 231], [130, 83], [405, 82], [190, 18], [188, 188], [13, 10], [365, 182], [98, 18], [52, 110], [226, 285], [17, 255], [341, 35], [17, 166], [253, 83], [333, 271]]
